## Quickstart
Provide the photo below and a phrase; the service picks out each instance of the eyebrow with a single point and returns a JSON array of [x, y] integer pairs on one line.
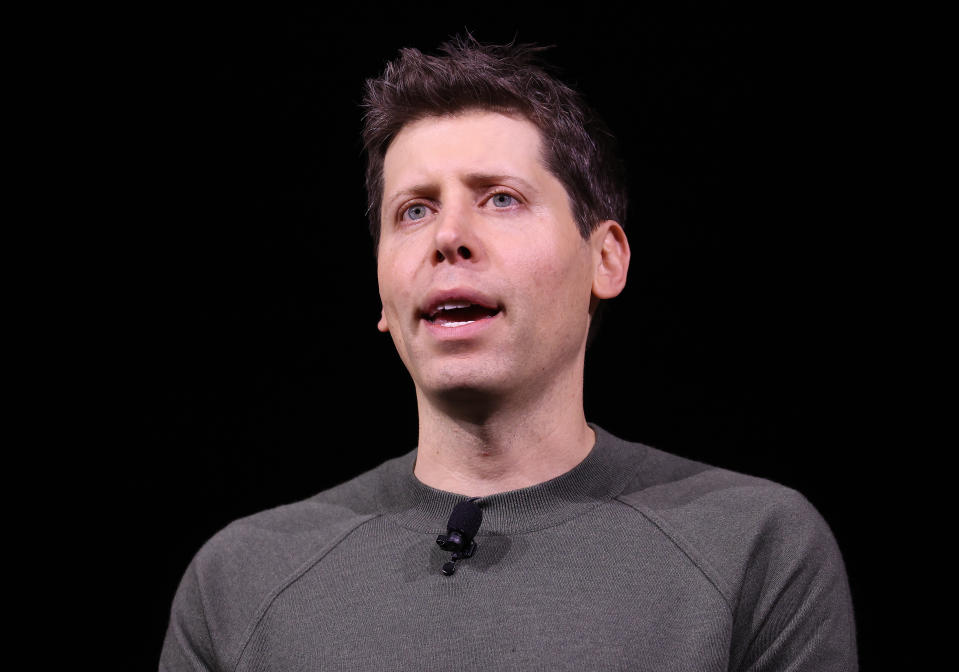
[[472, 180], [481, 179]]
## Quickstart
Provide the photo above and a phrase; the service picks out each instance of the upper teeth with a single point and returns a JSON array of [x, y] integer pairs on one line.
[[453, 305]]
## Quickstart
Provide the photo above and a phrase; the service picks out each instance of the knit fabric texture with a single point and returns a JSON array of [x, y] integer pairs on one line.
[[634, 560]]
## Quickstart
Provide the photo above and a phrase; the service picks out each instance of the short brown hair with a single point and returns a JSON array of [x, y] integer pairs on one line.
[[578, 148]]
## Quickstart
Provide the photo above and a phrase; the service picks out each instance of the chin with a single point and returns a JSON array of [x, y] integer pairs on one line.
[[464, 389]]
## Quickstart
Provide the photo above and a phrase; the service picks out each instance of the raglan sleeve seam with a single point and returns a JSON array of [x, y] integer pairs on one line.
[[695, 557], [817, 575], [298, 573]]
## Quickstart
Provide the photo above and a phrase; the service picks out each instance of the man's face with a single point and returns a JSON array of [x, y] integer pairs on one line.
[[484, 277]]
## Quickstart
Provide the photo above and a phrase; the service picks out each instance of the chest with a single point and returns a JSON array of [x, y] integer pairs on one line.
[[520, 603]]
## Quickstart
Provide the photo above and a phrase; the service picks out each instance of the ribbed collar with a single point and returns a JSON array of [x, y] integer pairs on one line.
[[598, 478]]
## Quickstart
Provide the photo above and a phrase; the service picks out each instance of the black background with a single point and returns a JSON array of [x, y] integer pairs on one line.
[[246, 300]]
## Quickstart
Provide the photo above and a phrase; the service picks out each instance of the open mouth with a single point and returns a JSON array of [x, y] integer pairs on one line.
[[458, 313]]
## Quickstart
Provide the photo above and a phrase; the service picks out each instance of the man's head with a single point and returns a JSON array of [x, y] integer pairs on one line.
[[493, 250], [577, 147]]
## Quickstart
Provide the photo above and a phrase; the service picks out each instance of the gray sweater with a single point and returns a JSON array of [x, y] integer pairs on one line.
[[634, 560]]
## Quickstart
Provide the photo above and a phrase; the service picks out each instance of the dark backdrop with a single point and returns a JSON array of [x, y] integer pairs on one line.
[[246, 293]]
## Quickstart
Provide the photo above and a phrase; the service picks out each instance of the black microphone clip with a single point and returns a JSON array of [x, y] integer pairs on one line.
[[463, 524]]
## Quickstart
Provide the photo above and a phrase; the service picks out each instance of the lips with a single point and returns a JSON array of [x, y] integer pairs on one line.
[[456, 314], [455, 308]]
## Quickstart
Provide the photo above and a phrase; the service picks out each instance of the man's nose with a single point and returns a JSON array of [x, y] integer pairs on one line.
[[455, 236]]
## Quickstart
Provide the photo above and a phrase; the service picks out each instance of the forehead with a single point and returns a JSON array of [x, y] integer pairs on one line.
[[470, 142]]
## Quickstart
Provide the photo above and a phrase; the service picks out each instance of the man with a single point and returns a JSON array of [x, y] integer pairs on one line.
[[496, 211]]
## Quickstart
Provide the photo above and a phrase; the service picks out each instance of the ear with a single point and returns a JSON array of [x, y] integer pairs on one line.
[[382, 324], [611, 254]]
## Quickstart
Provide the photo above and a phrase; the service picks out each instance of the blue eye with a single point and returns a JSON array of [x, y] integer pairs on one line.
[[415, 212], [503, 200]]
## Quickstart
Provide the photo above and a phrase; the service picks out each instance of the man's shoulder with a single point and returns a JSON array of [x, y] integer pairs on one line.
[[234, 577], [289, 534], [673, 485], [725, 521], [666, 482], [765, 548]]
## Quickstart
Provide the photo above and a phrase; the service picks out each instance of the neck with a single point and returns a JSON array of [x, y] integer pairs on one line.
[[483, 446]]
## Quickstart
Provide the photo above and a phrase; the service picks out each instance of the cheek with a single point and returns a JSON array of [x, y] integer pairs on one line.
[[387, 296], [396, 293], [560, 277], [387, 276]]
